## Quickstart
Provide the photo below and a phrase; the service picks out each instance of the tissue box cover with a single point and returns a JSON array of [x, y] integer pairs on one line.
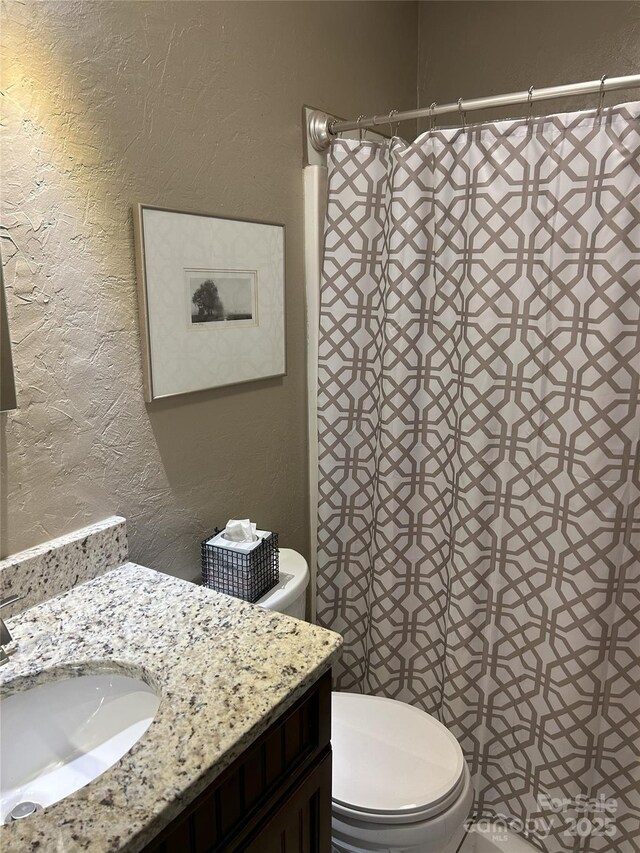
[[243, 572]]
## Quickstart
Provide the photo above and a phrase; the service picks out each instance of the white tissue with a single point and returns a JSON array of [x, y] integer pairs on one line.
[[240, 530], [240, 534]]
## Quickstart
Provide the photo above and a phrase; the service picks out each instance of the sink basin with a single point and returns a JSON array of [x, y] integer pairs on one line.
[[61, 733]]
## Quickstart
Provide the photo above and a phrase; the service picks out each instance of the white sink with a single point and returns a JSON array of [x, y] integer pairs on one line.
[[59, 735]]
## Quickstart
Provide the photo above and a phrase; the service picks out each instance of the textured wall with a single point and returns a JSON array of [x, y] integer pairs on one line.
[[470, 49], [188, 105]]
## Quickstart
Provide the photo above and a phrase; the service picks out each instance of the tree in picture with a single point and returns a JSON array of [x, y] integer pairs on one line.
[[208, 303]]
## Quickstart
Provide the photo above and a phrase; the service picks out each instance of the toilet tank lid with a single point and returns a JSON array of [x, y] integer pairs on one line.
[[294, 577], [389, 757]]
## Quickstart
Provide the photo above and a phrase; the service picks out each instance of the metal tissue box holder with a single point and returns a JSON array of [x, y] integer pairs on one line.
[[246, 575]]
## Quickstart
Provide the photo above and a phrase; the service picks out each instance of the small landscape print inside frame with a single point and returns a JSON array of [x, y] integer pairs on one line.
[[218, 299]]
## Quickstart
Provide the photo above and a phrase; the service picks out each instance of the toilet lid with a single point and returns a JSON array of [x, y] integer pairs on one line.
[[390, 758]]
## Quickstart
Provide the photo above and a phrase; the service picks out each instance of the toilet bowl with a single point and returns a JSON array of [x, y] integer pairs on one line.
[[400, 781]]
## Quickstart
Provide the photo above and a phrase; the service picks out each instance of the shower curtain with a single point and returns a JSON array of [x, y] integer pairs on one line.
[[479, 524]]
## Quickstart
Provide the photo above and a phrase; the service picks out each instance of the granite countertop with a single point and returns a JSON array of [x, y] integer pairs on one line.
[[225, 670]]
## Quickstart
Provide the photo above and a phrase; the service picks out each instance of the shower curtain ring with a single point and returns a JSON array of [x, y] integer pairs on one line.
[[601, 98], [392, 113], [432, 119], [360, 129], [530, 102], [462, 114], [330, 125]]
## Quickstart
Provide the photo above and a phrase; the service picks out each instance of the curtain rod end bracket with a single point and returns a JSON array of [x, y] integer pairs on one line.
[[319, 132]]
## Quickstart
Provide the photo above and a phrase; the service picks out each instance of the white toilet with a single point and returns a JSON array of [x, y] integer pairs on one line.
[[290, 593], [400, 781]]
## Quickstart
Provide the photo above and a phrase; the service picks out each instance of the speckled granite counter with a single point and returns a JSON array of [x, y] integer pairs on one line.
[[225, 669]]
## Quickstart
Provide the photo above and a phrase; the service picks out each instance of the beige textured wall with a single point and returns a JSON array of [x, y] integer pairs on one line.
[[192, 105], [481, 48]]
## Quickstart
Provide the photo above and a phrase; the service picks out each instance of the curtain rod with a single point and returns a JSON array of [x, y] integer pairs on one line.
[[322, 128]]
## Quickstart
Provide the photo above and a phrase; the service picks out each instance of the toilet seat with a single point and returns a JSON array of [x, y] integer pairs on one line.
[[392, 763], [405, 817]]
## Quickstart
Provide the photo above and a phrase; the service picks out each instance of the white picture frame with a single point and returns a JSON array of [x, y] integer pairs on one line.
[[211, 297]]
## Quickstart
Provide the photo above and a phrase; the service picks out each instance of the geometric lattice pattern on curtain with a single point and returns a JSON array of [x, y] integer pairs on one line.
[[479, 522]]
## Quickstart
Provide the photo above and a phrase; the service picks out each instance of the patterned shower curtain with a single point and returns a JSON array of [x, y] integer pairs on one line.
[[479, 416]]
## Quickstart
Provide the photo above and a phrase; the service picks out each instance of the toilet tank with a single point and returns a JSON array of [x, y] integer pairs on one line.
[[290, 593]]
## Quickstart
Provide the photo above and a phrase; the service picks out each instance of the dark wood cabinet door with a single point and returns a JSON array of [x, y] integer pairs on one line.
[[276, 795], [302, 823]]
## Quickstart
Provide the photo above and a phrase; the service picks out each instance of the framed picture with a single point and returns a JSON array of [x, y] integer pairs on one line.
[[211, 299]]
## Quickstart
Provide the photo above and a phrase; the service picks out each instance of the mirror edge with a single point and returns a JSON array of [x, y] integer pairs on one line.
[[7, 377]]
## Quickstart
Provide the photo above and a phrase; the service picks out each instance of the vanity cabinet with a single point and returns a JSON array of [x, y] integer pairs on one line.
[[274, 798]]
